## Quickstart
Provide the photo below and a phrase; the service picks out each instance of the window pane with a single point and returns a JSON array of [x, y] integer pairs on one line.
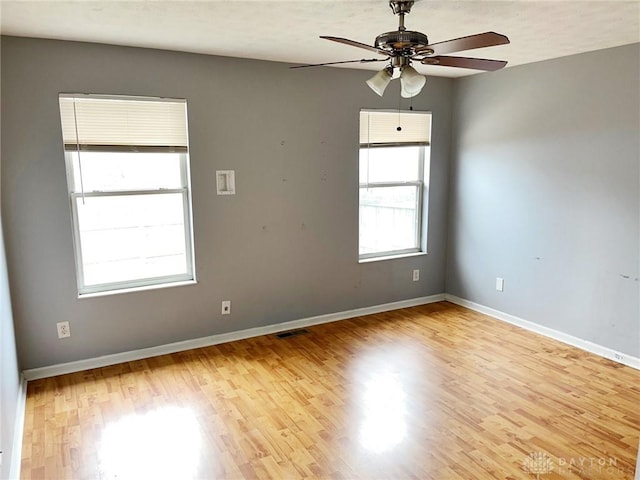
[[388, 219], [390, 164], [131, 237], [107, 171]]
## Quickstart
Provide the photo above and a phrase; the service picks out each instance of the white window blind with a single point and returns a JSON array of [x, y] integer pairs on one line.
[[92, 122], [381, 128]]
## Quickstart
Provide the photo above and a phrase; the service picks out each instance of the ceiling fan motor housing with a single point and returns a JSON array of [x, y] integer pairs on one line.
[[406, 40]]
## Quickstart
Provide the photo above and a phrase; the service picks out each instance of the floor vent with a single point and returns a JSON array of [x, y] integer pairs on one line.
[[292, 333]]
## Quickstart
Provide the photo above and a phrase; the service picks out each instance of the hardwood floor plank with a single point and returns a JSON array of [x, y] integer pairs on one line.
[[430, 392]]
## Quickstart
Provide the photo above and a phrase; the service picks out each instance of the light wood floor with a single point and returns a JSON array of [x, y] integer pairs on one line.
[[432, 392]]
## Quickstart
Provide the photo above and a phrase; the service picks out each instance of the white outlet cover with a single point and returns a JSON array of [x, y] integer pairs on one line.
[[500, 284], [64, 330], [416, 275], [226, 307]]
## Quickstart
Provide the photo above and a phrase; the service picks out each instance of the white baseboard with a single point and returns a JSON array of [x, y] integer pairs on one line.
[[16, 447], [106, 360], [633, 362]]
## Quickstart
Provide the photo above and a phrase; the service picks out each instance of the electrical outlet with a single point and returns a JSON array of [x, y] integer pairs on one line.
[[500, 284], [416, 275], [64, 330], [226, 307]]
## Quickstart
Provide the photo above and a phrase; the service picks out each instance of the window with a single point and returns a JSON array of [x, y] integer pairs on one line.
[[127, 167], [394, 172]]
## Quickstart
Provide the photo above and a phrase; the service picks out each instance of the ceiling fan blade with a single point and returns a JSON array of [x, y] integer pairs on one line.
[[364, 60], [465, 62], [480, 40], [353, 43]]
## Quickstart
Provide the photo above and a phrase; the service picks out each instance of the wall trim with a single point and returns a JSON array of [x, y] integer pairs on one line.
[[106, 360], [18, 431], [623, 358]]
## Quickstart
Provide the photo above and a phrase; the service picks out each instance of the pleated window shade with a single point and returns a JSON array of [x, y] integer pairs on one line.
[[381, 128], [112, 123]]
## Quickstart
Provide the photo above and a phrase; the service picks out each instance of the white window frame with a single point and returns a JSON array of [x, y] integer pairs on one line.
[[184, 190], [421, 185]]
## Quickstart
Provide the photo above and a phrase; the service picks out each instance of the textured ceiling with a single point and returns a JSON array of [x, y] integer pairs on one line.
[[287, 31]]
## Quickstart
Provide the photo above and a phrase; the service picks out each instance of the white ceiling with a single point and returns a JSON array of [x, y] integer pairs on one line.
[[287, 31]]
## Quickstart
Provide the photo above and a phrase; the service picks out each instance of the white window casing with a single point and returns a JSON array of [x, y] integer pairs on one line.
[[131, 206], [383, 141]]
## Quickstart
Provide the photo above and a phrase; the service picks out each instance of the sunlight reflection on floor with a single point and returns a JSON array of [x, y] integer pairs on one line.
[[384, 425], [161, 444]]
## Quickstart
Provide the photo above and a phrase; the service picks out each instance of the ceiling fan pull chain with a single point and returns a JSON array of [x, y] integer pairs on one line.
[[399, 129]]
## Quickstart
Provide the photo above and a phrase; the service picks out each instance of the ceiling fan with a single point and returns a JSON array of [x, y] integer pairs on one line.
[[402, 47]]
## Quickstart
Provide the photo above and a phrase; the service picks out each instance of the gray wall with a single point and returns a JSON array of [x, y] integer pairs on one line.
[[9, 371], [284, 248], [9, 368], [545, 193]]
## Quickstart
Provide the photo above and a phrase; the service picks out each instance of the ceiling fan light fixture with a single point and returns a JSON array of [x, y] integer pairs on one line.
[[401, 47], [411, 82], [380, 80]]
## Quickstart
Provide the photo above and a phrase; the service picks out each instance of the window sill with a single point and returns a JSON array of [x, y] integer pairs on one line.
[[391, 257], [82, 296]]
